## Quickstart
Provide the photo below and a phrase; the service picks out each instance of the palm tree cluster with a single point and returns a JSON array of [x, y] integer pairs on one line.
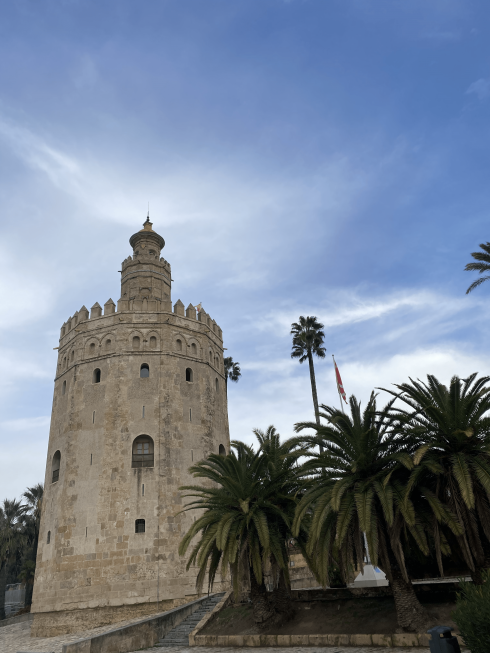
[[410, 479], [19, 533]]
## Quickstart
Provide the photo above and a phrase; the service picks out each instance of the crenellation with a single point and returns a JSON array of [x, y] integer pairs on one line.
[[109, 307], [190, 312], [74, 321], [179, 308], [96, 310], [83, 314]]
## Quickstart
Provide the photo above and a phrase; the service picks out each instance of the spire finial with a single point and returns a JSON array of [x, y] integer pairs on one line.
[[147, 224]]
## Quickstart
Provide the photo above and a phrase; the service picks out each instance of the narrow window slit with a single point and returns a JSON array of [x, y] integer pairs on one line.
[[143, 490]]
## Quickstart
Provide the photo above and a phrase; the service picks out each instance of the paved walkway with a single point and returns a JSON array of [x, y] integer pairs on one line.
[[289, 649]]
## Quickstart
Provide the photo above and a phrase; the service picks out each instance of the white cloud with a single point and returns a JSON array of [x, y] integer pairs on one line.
[[16, 364], [25, 289], [23, 459], [481, 88]]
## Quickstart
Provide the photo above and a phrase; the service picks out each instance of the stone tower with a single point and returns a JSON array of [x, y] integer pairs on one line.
[[139, 395]]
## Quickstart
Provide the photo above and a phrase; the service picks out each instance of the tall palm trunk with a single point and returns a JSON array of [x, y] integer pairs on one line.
[[313, 386], [281, 598], [3, 583], [411, 615], [313, 390], [262, 609]]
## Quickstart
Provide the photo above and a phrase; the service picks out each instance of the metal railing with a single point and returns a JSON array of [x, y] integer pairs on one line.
[[143, 460]]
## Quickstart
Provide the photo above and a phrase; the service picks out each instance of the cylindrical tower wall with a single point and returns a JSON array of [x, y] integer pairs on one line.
[[93, 565]]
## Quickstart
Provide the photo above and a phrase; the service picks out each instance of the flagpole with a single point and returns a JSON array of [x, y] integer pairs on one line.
[[336, 381]]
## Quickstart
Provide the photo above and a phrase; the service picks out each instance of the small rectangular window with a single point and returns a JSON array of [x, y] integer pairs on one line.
[[143, 490], [90, 458], [143, 412], [190, 414], [93, 417], [192, 455]]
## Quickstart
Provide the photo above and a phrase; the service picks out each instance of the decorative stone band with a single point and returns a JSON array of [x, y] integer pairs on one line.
[[138, 270], [385, 641]]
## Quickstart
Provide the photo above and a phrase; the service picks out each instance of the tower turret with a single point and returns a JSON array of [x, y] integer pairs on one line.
[[146, 277]]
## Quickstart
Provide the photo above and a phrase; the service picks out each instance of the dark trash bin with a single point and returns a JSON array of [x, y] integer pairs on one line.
[[441, 640]]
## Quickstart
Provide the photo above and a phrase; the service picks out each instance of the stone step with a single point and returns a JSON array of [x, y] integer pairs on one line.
[[179, 636]]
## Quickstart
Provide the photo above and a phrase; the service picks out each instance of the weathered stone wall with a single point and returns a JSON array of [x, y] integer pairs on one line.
[[94, 558]]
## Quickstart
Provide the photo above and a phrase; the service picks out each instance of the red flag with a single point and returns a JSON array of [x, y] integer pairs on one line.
[[340, 386]]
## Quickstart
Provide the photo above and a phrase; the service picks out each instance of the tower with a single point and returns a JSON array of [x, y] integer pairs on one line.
[[139, 395]]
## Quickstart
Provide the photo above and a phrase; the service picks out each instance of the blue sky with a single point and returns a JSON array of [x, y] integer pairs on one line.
[[316, 157]]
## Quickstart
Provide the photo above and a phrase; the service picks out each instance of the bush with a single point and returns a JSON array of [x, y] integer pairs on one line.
[[472, 614]]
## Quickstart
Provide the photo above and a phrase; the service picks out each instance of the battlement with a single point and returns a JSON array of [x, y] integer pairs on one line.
[[191, 312], [131, 259]]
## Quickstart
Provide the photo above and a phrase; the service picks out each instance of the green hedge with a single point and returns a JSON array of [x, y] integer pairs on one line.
[[472, 615]]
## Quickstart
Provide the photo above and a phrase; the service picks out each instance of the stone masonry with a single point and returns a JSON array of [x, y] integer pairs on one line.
[[139, 395]]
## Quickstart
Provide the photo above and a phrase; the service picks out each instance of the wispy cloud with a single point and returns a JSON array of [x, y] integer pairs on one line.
[[350, 307], [480, 88]]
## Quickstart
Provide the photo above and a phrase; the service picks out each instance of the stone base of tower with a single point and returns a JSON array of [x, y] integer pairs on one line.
[[51, 624]]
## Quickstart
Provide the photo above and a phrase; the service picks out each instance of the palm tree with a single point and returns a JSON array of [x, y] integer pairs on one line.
[[308, 341], [232, 370], [11, 540], [482, 265], [355, 486], [247, 517], [32, 519], [452, 461]]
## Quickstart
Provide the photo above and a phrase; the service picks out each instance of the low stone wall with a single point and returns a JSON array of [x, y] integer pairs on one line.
[[434, 590], [16, 620], [52, 624], [136, 636], [404, 639]]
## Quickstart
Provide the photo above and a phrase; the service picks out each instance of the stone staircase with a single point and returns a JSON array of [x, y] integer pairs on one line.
[[179, 636]]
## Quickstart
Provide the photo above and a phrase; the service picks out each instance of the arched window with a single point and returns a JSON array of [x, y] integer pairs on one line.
[[139, 526], [222, 450], [210, 357], [144, 371], [189, 375], [194, 349], [153, 342], [72, 356], [92, 349], [63, 388], [178, 344], [64, 361], [48, 539], [108, 343], [96, 376], [143, 455], [217, 385], [55, 467], [136, 342]]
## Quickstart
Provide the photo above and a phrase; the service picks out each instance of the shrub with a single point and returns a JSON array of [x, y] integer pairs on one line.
[[472, 614]]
